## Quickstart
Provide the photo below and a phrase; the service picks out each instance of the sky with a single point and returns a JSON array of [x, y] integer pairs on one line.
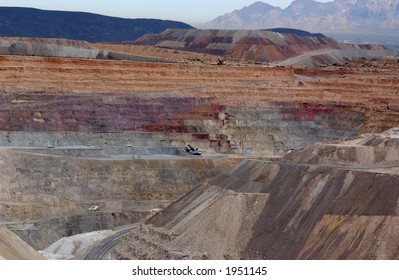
[[189, 11]]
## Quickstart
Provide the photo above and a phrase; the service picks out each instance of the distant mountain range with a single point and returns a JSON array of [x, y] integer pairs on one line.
[[355, 20], [27, 22]]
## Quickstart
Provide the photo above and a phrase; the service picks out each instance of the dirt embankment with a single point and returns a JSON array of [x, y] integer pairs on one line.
[[49, 41], [47, 47], [282, 210], [14, 248], [170, 55]]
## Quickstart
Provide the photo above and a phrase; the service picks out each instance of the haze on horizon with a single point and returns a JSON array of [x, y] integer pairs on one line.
[[192, 12]]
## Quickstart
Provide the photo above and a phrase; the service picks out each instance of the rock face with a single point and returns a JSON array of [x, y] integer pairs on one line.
[[46, 197], [338, 208], [362, 20], [220, 109]]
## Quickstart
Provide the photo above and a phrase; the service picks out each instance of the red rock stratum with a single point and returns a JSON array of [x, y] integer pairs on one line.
[[224, 109]]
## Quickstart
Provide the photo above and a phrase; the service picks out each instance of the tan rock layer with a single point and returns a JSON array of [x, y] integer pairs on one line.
[[224, 107]]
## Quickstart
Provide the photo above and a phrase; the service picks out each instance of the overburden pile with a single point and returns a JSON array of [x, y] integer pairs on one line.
[[329, 201]]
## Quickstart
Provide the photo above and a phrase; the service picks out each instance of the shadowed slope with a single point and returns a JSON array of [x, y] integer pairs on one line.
[[28, 22]]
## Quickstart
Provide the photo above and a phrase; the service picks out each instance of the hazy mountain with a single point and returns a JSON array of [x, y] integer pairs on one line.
[[358, 20], [27, 22]]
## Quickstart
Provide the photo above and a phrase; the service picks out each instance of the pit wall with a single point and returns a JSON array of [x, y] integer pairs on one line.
[[46, 197], [137, 122]]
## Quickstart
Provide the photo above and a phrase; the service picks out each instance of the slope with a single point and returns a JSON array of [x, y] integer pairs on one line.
[[290, 209], [13, 248], [28, 22], [255, 45]]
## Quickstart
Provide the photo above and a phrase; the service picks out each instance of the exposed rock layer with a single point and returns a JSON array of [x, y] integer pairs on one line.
[[223, 109], [51, 104], [255, 45], [46, 197]]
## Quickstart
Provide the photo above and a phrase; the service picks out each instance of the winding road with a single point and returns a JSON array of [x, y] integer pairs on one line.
[[297, 59], [99, 251]]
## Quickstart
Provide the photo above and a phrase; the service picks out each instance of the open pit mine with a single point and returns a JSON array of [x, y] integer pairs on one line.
[[298, 162]]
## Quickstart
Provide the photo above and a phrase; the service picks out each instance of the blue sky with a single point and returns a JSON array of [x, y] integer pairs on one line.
[[190, 11]]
